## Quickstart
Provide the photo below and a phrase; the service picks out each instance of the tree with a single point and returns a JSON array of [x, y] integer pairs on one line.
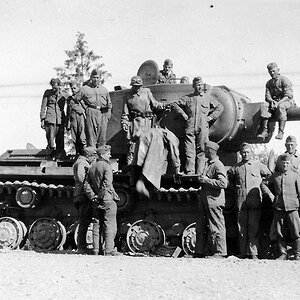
[[80, 62]]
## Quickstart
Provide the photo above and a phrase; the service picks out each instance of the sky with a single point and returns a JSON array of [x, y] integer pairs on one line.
[[227, 42]]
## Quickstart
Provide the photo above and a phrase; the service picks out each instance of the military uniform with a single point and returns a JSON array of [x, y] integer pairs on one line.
[[100, 179], [197, 110], [286, 188], [53, 116], [276, 90], [246, 178], [98, 112], [75, 115], [81, 201], [210, 223], [166, 78]]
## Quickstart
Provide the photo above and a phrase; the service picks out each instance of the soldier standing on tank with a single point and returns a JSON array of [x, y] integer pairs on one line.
[[98, 110], [166, 75], [99, 188], [210, 224], [137, 115], [53, 117], [198, 110], [76, 117], [246, 178], [279, 98], [80, 199], [285, 186]]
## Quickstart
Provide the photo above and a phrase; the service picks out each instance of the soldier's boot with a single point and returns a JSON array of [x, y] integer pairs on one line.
[[264, 125], [282, 250], [297, 249], [280, 134]]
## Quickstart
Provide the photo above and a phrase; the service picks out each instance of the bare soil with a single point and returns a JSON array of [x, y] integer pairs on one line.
[[32, 275]]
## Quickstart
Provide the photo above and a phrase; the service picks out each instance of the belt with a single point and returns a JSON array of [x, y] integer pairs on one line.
[[102, 109], [135, 114]]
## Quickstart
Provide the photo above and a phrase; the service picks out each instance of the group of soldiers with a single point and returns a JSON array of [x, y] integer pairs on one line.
[[89, 109]]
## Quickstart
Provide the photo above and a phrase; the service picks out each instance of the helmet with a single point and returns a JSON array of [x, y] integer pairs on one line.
[[136, 80]]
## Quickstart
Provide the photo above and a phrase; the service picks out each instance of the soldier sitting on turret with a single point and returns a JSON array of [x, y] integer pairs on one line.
[[166, 75], [279, 98]]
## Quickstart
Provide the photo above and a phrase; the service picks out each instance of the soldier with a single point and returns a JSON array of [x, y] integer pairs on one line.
[[80, 199], [137, 116], [98, 110], [166, 75], [184, 80], [210, 224], [285, 185], [76, 117], [100, 186], [279, 98], [53, 117], [198, 110], [291, 151], [246, 178]]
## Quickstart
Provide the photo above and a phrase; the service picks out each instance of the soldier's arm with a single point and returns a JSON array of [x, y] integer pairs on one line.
[[178, 106], [217, 109], [220, 181], [298, 186], [43, 109], [287, 90], [87, 188], [268, 96], [125, 116], [153, 103]]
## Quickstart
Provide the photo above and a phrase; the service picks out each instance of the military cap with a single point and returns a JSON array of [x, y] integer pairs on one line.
[[89, 151], [103, 149], [168, 62], [136, 80], [184, 79], [54, 81], [95, 72], [196, 79], [272, 65], [212, 145], [245, 145], [291, 139]]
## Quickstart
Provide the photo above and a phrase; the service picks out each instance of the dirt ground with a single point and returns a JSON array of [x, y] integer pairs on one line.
[[32, 275]]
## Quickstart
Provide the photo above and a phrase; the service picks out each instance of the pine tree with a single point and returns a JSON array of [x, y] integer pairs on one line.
[[80, 63]]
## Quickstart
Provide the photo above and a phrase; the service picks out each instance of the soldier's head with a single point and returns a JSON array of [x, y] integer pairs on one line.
[[291, 144], [136, 82], [104, 152], [273, 70], [284, 162], [211, 149], [90, 153], [184, 79], [168, 66], [74, 86], [95, 77], [246, 151], [198, 84], [55, 84]]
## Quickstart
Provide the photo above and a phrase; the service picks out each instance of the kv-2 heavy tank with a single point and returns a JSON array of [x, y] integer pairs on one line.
[[36, 191]]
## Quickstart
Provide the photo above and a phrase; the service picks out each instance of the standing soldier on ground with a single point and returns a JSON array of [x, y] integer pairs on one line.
[[98, 110], [53, 117], [210, 224], [279, 98], [246, 178], [80, 199], [100, 186], [166, 75], [285, 186], [197, 109], [76, 117], [137, 116]]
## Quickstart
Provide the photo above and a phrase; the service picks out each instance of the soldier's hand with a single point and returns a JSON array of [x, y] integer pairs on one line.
[[185, 117], [125, 127], [43, 124], [203, 179]]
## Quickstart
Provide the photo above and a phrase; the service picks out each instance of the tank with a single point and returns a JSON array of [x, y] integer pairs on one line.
[[36, 189]]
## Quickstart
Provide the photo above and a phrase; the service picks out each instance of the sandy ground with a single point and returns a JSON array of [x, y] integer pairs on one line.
[[31, 275]]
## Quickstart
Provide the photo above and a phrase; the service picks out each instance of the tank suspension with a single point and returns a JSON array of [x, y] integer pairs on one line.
[[189, 239], [145, 236], [47, 234], [12, 233]]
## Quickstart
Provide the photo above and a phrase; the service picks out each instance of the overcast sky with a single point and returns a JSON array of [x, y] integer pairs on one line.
[[227, 42]]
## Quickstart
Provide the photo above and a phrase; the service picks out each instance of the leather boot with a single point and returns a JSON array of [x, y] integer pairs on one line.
[[264, 125], [282, 249], [297, 249], [280, 134]]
